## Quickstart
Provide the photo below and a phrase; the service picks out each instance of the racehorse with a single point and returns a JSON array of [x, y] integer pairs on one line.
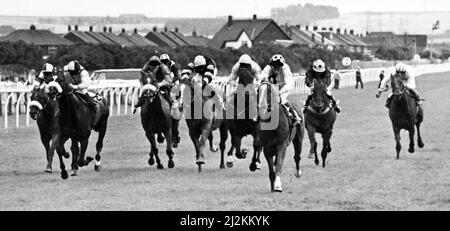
[[156, 118], [45, 111], [76, 123], [242, 123], [404, 114], [202, 121], [320, 117], [276, 139]]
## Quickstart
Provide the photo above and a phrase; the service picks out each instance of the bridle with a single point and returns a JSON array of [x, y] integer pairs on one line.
[[396, 90], [324, 107]]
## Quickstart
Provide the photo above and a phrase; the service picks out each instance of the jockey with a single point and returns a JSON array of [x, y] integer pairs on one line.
[[278, 72], [245, 61], [46, 75], [80, 83], [320, 73], [163, 78], [205, 69], [409, 80], [165, 59]]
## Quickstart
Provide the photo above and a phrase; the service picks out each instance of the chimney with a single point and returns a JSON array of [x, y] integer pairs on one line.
[[298, 26], [313, 38], [155, 29], [76, 27], [135, 30], [367, 33], [110, 29], [194, 33], [69, 28], [91, 28], [176, 29], [345, 31], [306, 27], [105, 29], [254, 17], [315, 28], [330, 29], [230, 20], [32, 27], [123, 30], [165, 29], [352, 32], [338, 31], [324, 28]]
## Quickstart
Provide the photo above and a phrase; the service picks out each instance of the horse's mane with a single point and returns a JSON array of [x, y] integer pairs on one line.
[[245, 76]]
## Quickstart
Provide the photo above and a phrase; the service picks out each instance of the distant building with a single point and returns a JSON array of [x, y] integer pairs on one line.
[[160, 39], [136, 39], [42, 38], [247, 32], [197, 40]]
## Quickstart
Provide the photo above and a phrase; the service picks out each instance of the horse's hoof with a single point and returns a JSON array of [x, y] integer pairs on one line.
[[88, 160], [48, 170], [229, 164], [329, 150], [151, 161], [222, 166], [258, 166], [66, 155], [175, 145], [278, 190], [214, 149], [171, 164], [411, 150], [160, 166], [98, 168], [312, 155], [421, 145], [160, 139], [253, 167], [277, 185], [317, 162], [73, 173], [64, 175], [81, 164], [298, 174]]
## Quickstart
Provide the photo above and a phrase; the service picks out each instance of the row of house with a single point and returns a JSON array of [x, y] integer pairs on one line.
[[233, 34]]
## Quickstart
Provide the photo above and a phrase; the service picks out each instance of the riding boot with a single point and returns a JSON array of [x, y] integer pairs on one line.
[[138, 104], [335, 104], [294, 115], [305, 106], [388, 102]]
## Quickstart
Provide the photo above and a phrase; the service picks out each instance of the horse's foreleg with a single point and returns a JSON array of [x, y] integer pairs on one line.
[[201, 145], [237, 144], [269, 159], [419, 137], [212, 147], [153, 151], [297, 142], [312, 141], [223, 139], [281, 152], [99, 145], [83, 148], [59, 144], [326, 147], [75, 157], [411, 139], [255, 165], [169, 151], [175, 133], [45, 139], [398, 146]]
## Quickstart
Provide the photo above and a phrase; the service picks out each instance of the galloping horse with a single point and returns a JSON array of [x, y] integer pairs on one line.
[[45, 111], [278, 135], [320, 118], [76, 122], [404, 114], [242, 123], [201, 121], [156, 119]]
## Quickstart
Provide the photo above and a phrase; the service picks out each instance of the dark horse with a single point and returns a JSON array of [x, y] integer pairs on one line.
[[156, 119], [242, 123], [45, 111], [277, 136], [320, 117], [76, 122], [201, 120], [404, 114]]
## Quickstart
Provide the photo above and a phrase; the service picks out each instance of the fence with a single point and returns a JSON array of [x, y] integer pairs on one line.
[[123, 95]]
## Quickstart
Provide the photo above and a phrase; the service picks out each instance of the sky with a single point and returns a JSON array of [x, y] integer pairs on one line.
[[200, 8]]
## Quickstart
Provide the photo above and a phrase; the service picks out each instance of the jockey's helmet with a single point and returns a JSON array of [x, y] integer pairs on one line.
[[319, 66], [164, 57], [47, 68], [400, 67], [199, 61], [154, 61], [277, 60], [74, 67], [245, 59]]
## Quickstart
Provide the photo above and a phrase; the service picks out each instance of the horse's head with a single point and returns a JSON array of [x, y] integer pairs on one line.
[[38, 102], [319, 96], [53, 89], [246, 76], [397, 83]]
